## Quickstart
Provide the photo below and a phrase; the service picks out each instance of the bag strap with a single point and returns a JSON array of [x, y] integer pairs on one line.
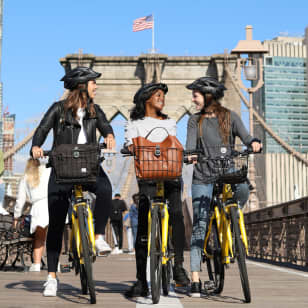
[[200, 125], [149, 133]]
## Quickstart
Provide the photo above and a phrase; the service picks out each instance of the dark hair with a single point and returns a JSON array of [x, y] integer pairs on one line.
[[142, 96], [135, 196], [117, 195]]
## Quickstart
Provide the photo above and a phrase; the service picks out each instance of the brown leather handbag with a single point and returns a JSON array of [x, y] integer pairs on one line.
[[158, 160]]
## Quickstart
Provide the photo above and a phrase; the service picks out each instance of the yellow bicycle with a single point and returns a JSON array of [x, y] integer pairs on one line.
[[226, 238], [160, 249], [82, 251], [159, 244]]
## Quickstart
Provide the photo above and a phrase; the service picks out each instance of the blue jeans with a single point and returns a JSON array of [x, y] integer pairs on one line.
[[201, 199], [134, 229]]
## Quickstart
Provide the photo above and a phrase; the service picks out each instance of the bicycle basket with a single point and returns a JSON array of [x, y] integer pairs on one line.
[[156, 162], [224, 166], [75, 163]]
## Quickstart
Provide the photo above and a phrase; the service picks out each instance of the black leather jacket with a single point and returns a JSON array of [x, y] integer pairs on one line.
[[66, 131]]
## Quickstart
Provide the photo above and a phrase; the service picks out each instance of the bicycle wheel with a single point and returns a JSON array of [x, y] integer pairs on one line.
[[155, 255], [78, 268], [240, 255], [215, 266], [167, 271], [86, 268]]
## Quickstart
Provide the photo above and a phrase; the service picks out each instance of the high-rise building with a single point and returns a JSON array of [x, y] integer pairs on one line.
[[283, 104], [283, 101], [8, 140]]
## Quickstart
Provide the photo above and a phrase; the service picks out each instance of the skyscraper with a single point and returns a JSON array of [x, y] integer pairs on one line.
[[283, 101]]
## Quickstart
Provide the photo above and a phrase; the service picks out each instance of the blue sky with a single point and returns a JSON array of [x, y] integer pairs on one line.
[[36, 34]]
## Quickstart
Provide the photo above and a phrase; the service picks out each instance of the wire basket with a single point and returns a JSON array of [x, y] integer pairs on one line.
[[158, 163], [225, 165], [75, 164]]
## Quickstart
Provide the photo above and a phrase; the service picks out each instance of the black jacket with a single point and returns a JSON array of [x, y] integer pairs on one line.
[[66, 131]]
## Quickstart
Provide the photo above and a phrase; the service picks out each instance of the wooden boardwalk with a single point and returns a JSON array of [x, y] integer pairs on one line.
[[271, 287]]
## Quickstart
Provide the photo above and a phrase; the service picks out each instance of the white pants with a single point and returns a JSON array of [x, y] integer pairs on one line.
[[130, 238]]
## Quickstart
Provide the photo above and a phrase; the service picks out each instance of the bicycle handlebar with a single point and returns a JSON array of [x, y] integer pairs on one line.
[[202, 158], [100, 145]]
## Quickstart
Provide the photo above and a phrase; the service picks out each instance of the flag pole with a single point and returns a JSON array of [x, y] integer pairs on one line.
[[153, 46]]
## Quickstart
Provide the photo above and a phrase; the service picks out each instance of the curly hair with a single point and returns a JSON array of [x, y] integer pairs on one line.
[[138, 111]]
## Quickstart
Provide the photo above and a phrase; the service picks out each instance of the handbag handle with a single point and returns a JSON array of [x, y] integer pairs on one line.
[[149, 133]]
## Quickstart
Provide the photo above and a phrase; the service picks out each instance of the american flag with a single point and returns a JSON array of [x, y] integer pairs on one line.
[[143, 23]]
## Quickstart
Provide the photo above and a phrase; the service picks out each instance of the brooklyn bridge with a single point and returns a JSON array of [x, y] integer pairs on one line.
[[276, 215]]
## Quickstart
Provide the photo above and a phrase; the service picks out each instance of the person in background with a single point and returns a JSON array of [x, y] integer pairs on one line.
[[116, 219], [129, 234], [34, 185], [133, 214]]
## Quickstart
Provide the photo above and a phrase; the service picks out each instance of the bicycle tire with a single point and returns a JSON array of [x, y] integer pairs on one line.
[[167, 270], [215, 266], [85, 252], [240, 255], [155, 255], [4, 255], [78, 268]]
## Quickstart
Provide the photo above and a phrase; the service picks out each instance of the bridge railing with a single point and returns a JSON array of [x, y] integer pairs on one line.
[[279, 233]]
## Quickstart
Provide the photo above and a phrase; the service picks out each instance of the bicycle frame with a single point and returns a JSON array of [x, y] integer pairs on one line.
[[164, 221], [222, 216], [75, 223]]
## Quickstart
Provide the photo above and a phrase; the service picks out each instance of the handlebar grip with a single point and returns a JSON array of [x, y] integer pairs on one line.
[[126, 151], [102, 146]]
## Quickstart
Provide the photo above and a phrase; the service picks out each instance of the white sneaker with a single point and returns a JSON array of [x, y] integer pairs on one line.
[[131, 252], [35, 267], [102, 246], [116, 251], [51, 286]]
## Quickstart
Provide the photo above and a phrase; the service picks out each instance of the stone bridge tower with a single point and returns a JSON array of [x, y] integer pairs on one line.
[[123, 76]]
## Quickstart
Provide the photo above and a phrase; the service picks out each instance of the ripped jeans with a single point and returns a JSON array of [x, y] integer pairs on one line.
[[201, 199]]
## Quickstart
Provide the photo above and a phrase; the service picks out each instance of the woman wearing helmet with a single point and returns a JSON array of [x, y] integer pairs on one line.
[[219, 127], [74, 121], [146, 115]]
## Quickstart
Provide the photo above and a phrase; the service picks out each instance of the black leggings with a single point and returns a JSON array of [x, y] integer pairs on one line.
[[58, 203], [117, 226], [173, 194]]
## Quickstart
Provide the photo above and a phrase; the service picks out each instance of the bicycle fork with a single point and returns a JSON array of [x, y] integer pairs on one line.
[[164, 229]]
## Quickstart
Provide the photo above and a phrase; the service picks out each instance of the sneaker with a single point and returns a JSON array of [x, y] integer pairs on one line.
[[102, 246], [131, 252], [180, 276], [195, 289], [116, 251], [138, 289], [35, 267], [51, 286], [209, 286]]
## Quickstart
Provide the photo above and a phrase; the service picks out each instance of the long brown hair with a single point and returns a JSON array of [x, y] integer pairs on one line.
[[223, 115], [32, 174], [76, 98]]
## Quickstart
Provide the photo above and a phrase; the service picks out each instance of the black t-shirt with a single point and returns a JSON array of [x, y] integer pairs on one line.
[[118, 206]]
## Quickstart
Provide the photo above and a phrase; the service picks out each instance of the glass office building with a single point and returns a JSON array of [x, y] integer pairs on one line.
[[283, 101]]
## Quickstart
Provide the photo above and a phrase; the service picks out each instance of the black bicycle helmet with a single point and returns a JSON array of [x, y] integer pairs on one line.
[[79, 75], [145, 92], [208, 85]]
